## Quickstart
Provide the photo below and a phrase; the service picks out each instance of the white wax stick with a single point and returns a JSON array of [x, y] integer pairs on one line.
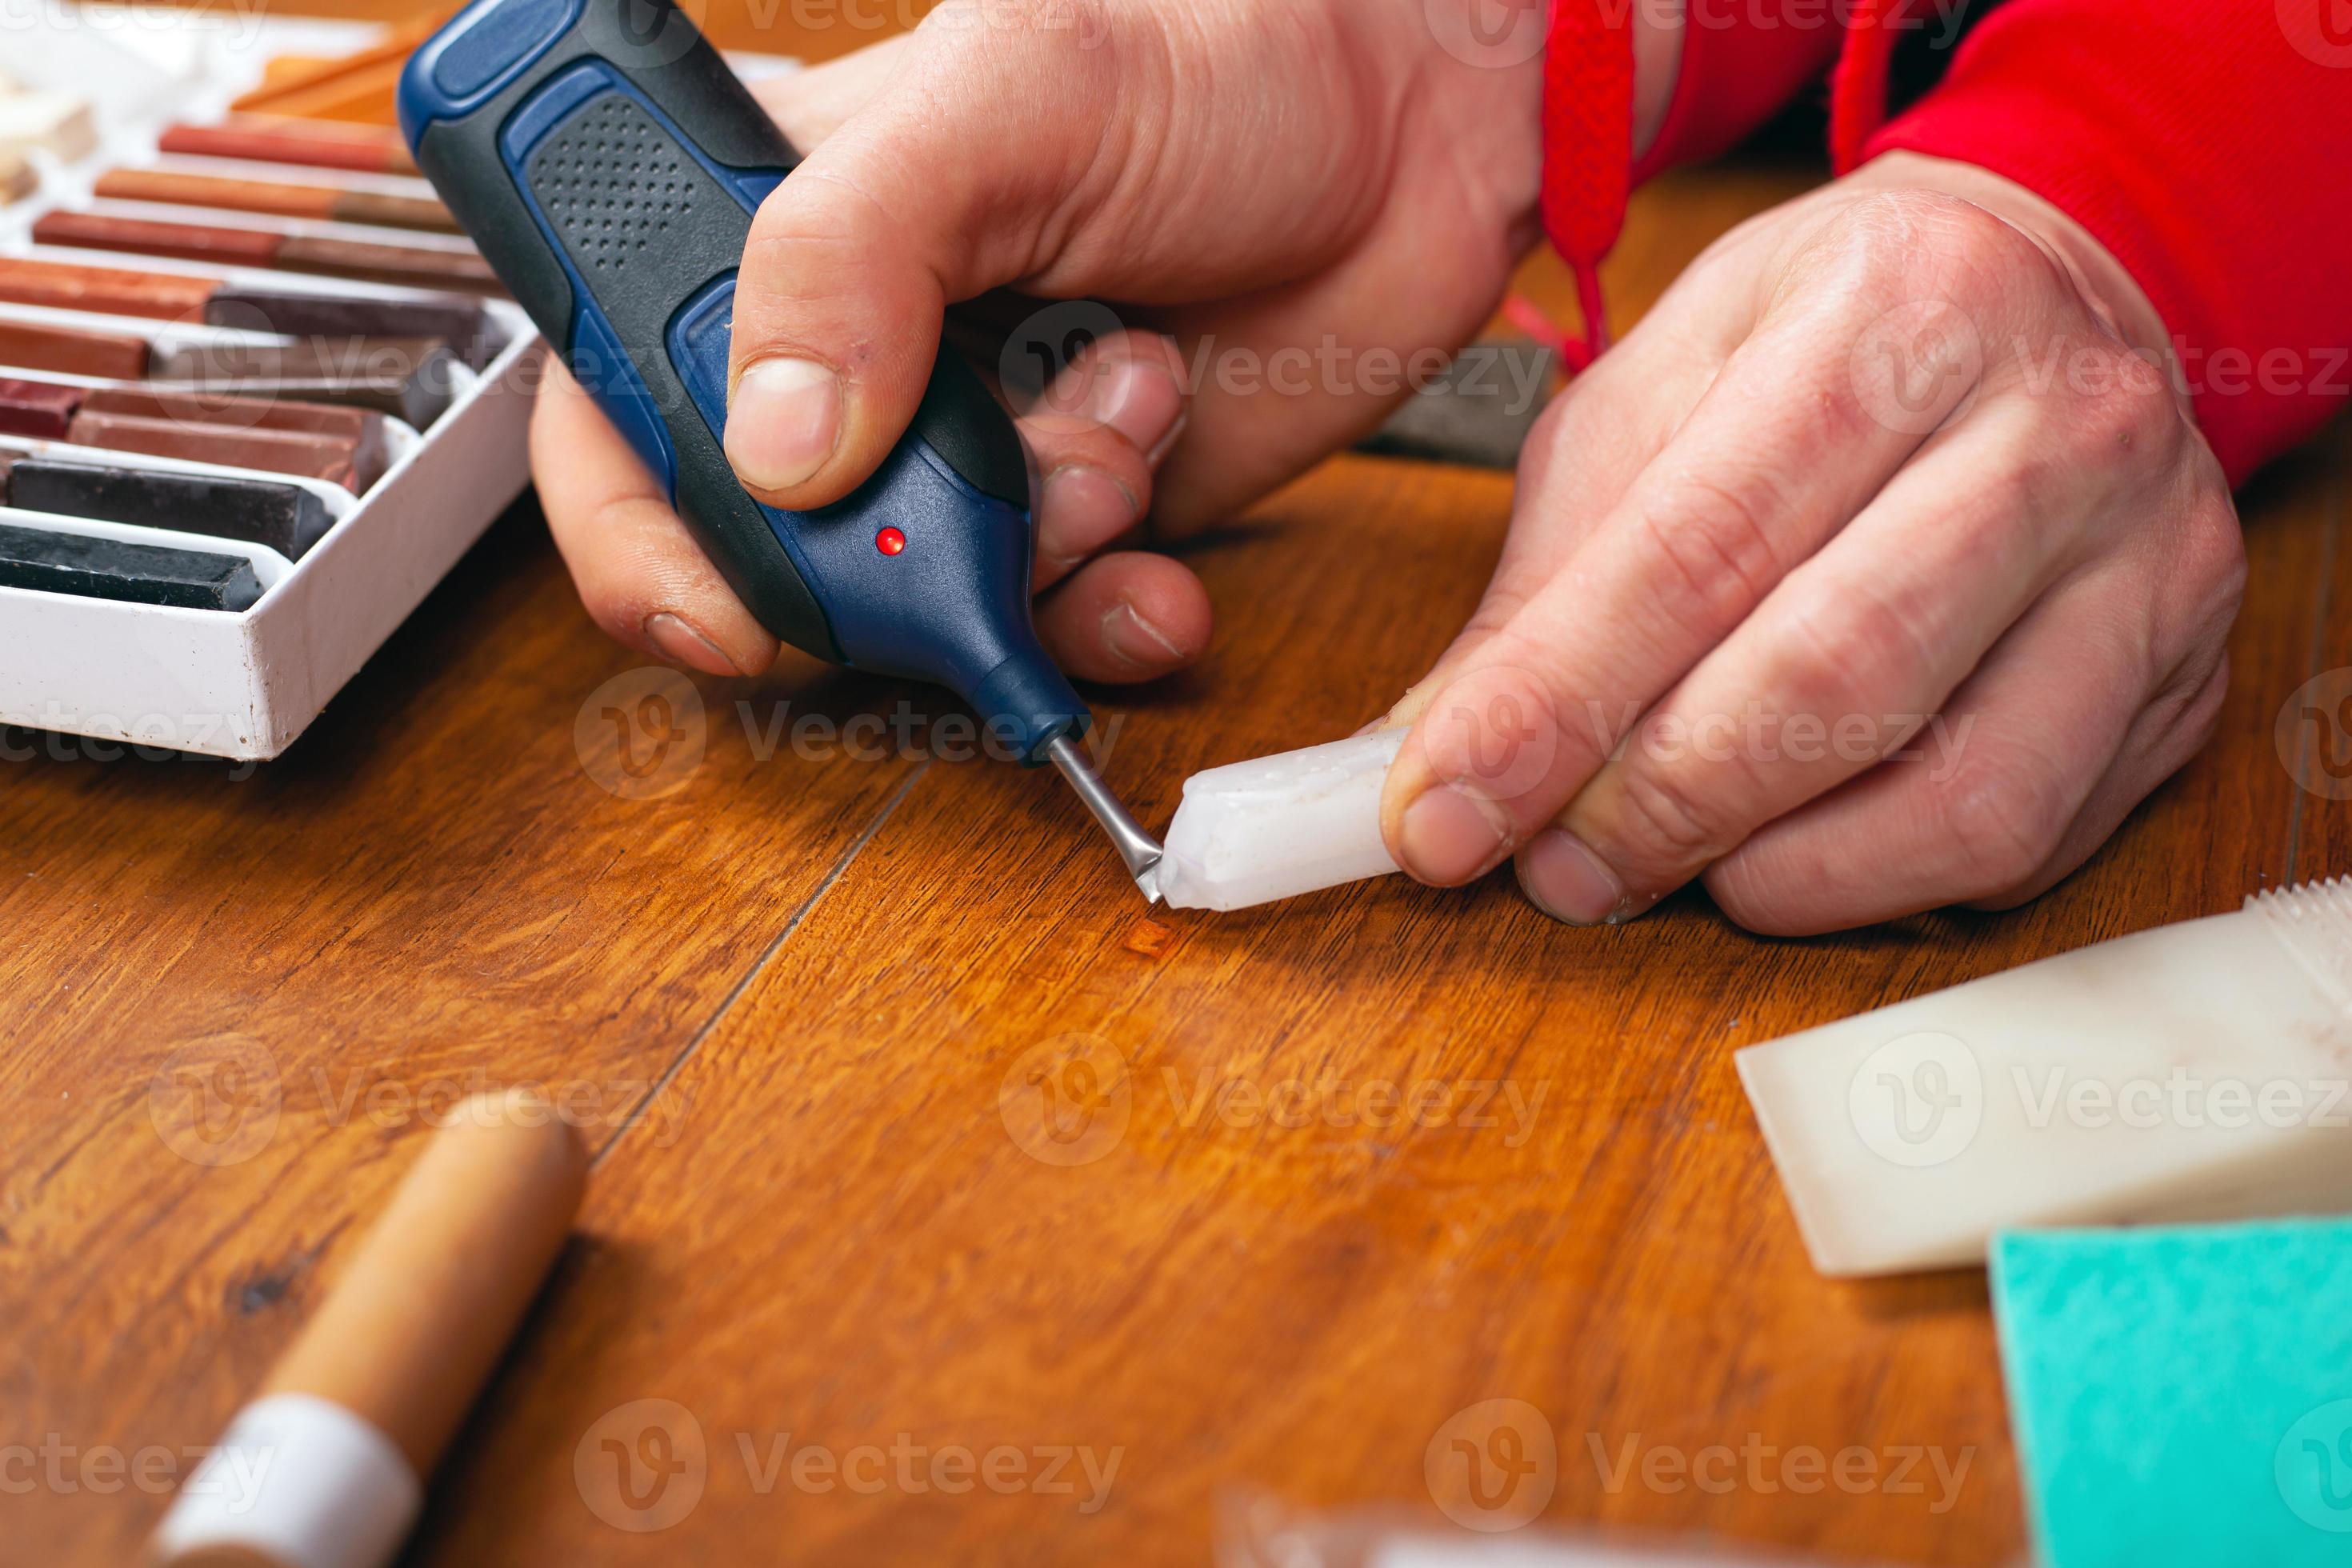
[[2199, 1071], [296, 1481], [1252, 831]]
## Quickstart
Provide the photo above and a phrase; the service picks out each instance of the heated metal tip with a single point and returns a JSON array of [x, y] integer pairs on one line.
[[1136, 848]]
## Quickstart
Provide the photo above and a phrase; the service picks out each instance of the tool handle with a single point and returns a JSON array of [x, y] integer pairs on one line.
[[608, 163]]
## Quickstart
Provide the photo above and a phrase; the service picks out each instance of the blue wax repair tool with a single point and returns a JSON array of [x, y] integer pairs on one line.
[[607, 163]]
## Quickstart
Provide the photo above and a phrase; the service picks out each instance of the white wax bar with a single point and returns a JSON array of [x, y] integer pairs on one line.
[[2199, 1071], [1252, 831]]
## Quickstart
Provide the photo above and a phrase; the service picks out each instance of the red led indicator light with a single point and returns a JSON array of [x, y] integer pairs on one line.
[[889, 541]]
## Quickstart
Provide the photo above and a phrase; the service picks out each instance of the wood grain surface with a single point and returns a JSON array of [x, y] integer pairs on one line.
[[946, 1208]]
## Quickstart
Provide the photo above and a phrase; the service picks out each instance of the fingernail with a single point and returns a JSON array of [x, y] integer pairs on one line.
[[1449, 835], [1137, 641], [1084, 509], [1564, 879], [1140, 400], [681, 642], [783, 422]]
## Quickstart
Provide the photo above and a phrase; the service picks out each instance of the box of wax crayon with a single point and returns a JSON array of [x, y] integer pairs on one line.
[[257, 393]]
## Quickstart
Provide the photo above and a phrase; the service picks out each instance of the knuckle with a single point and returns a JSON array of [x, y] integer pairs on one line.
[[1671, 818], [1850, 638], [1713, 546], [2005, 820]]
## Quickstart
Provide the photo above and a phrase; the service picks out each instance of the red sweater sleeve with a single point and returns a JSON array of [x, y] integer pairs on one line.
[[2206, 144], [1741, 64]]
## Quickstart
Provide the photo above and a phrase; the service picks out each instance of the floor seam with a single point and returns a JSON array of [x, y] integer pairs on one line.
[[639, 1111]]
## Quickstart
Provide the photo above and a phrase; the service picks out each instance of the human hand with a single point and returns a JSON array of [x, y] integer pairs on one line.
[[1251, 176], [1881, 568]]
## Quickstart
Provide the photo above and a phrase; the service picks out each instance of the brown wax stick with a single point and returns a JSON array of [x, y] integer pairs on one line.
[[364, 1405], [324, 357], [386, 262], [362, 430], [272, 451], [37, 409], [277, 198], [318, 144], [413, 1328], [417, 400], [74, 351], [232, 247], [108, 290], [459, 320]]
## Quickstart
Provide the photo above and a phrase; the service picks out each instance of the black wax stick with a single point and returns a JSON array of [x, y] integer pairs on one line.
[[109, 569], [286, 518]]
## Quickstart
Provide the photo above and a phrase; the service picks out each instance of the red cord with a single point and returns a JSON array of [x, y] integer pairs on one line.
[[1588, 125]]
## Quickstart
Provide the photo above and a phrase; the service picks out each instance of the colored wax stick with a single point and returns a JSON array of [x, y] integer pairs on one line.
[[318, 144], [170, 296], [234, 247], [272, 451], [286, 518], [417, 400], [74, 351], [108, 290], [324, 357], [459, 320], [278, 199], [362, 430], [36, 409], [111, 569]]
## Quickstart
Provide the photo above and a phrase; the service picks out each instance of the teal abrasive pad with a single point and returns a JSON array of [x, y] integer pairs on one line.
[[2182, 1395]]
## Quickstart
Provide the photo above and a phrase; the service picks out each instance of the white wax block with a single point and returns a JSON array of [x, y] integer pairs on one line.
[[57, 123], [1252, 831], [299, 1480], [2199, 1071]]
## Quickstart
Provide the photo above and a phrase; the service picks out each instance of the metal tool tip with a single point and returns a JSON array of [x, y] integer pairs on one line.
[[1136, 850]]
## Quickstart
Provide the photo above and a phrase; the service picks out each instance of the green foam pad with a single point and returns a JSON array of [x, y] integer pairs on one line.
[[2182, 1394]]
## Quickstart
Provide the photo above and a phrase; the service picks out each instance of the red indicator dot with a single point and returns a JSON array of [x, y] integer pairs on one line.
[[889, 541]]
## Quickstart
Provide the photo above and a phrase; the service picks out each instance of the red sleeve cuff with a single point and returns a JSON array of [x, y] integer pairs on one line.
[[2207, 151]]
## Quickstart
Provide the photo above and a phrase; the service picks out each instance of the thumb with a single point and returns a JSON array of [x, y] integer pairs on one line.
[[941, 186]]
